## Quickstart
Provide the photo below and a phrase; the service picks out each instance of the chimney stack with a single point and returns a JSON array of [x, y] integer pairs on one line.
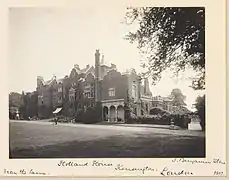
[[97, 75], [97, 63]]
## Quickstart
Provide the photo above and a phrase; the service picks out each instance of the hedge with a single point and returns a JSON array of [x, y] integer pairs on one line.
[[179, 120]]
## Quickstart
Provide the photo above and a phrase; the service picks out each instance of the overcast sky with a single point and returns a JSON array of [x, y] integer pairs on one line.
[[43, 42]]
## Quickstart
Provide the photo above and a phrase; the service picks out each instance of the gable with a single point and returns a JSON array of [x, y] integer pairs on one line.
[[113, 74]]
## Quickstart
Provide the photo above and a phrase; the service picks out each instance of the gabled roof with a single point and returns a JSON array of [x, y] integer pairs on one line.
[[48, 82], [59, 80], [82, 71]]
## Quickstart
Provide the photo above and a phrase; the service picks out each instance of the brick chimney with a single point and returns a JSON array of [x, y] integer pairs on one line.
[[97, 75]]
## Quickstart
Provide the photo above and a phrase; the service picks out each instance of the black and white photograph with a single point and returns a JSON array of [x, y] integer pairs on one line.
[[118, 82]]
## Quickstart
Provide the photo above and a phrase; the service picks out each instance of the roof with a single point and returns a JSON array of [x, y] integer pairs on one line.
[[60, 80], [49, 81], [84, 70]]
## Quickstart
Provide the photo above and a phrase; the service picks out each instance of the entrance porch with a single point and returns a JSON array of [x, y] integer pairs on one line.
[[113, 110]]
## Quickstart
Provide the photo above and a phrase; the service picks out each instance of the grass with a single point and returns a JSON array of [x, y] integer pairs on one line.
[[90, 141]]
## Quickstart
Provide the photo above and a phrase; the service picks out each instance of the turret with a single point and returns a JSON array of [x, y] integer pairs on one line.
[[40, 81]]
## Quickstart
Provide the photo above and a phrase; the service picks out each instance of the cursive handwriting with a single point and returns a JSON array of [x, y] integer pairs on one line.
[[71, 164], [84, 164], [101, 164], [142, 170], [10, 172], [24, 172], [35, 172], [218, 161], [183, 160], [195, 161], [167, 172]]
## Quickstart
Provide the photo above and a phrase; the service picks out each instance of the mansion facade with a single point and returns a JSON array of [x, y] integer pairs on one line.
[[100, 83]]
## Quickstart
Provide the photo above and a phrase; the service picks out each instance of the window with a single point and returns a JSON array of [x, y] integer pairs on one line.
[[71, 97], [60, 89], [142, 112], [89, 91], [87, 94], [111, 91], [92, 93]]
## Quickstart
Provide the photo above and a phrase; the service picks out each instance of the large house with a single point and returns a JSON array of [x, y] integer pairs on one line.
[[102, 84]]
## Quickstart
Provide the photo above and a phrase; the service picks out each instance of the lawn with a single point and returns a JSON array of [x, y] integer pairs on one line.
[[43, 140]]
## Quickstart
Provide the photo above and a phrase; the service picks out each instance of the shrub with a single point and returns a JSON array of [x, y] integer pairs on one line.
[[165, 119], [155, 119], [92, 114], [79, 115], [180, 120], [159, 111]]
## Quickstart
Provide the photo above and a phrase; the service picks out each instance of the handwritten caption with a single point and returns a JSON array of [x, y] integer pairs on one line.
[[215, 161], [144, 170], [165, 171], [31, 172]]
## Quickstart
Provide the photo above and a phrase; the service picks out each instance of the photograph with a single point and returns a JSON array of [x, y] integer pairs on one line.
[[117, 82]]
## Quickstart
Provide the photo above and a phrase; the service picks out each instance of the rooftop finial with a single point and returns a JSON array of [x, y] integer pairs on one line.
[[102, 60], [76, 66]]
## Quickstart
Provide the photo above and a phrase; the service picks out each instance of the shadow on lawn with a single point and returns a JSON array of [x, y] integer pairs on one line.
[[120, 147]]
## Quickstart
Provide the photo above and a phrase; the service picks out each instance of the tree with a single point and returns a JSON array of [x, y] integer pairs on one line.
[[170, 38], [15, 99], [200, 106], [29, 107], [178, 97]]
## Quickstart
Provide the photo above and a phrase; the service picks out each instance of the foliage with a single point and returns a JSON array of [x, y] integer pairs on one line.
[[180, 120], [178, 97], [160, 111], [79, 115], [170, 38], [15, 99], [92, 114], [130, 109], [29, 105], [164, 118], [200, 106]]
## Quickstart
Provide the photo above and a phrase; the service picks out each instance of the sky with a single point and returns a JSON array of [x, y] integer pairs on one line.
[[48, 41]]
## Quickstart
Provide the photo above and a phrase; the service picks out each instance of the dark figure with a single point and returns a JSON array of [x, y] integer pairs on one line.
[[56, 120]]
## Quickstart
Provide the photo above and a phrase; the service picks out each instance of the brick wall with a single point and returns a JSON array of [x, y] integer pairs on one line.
[[116, 82]]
